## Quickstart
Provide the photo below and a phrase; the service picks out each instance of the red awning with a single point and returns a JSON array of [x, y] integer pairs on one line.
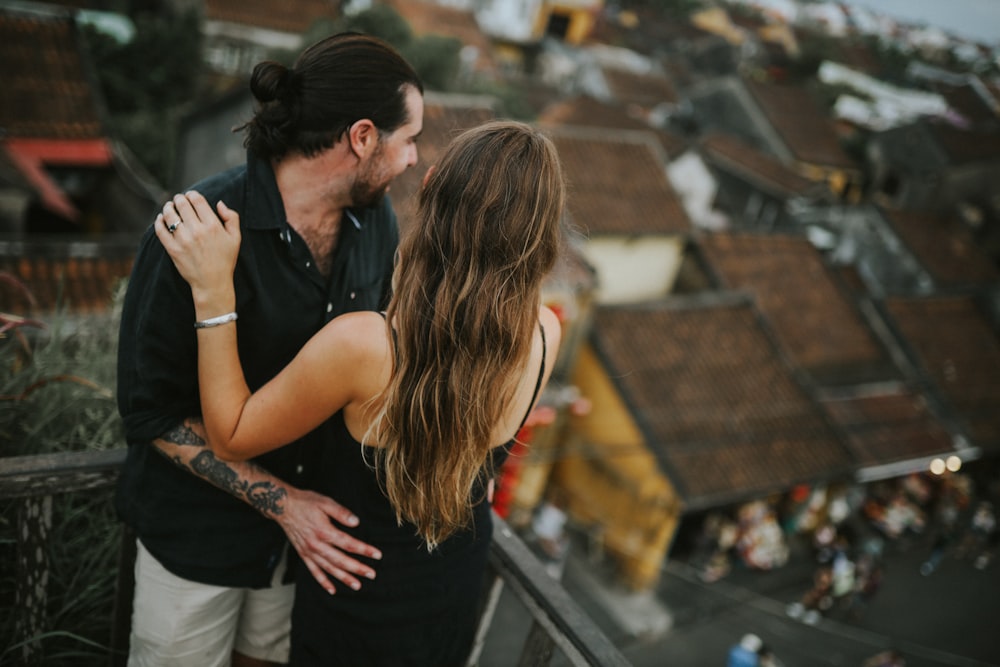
[[63, 152]]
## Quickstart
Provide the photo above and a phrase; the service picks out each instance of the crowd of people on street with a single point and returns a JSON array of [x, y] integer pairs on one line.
[[847, 533]]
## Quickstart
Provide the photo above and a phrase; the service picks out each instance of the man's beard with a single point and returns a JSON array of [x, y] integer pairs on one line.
[[365, 193], [370, 186]]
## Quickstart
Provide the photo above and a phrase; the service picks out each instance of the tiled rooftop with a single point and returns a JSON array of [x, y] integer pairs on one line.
[[45, 95], [721, 410], [945, 247], [812, 317], [586, 111], [889, 426], [293, 16], [803, 125], [77, 278], [644, 90], [731, 154], [959, 350], [968, 103], [617, 183]]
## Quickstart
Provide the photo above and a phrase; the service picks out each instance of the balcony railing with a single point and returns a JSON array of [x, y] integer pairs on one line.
[[557, 621]]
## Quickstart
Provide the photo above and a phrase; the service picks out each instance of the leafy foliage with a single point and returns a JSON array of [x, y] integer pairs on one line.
[[434, 57], [146, 80], [56, 394], [157, 69]]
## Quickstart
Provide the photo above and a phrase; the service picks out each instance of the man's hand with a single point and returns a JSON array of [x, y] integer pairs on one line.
[[306, 519], [303, 515]]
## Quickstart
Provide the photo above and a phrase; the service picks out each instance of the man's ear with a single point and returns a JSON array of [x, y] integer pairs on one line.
[[363, 137], [427, 175]]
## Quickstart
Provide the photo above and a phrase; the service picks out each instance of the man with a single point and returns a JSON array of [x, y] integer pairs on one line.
[[327, 137]]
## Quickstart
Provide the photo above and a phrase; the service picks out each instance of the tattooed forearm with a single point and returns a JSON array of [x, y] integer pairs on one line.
[[183, 434], [265, 496]]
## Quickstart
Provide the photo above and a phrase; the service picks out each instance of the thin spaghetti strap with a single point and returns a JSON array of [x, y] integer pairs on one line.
[[538, 382], [395, 336]]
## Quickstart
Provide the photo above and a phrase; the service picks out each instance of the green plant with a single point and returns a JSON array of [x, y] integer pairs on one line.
[[56, 394]]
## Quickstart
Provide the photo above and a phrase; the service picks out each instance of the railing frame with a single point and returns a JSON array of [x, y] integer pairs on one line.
[[557, 621]]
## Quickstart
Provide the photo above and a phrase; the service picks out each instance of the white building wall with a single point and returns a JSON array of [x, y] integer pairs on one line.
[[637, 269]]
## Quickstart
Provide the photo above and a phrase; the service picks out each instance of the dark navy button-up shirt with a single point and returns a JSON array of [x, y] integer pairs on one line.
[[194, 529]]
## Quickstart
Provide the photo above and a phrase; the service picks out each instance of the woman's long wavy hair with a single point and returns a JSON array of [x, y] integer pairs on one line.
[[465, 306]]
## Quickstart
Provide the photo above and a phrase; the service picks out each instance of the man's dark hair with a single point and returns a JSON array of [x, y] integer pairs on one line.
[[334, 83]]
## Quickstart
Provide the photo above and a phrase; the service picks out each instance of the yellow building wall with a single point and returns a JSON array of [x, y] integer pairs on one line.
[[535, 470], [782, 34], [581, 20], [608, 481], [837, 180], [716, 20]]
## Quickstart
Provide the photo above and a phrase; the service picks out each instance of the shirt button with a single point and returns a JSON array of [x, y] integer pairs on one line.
[[298, 468], [329, 307], [308, 264], [352, 296]]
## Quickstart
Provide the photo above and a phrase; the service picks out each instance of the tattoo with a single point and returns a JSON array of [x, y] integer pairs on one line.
[[265, 496], [184, 435]]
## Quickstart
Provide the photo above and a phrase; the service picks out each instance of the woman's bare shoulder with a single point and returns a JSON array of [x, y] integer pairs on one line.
[[362, 335], [552, 326]]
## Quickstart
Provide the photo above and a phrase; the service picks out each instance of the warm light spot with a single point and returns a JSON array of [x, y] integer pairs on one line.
[[937, 466], [953, 463]]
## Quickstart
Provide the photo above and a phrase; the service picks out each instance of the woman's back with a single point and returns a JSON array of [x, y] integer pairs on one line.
[[422, 607]]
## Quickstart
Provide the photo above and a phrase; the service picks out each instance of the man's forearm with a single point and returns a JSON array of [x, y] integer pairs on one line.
[[303, 515], [187, 448]]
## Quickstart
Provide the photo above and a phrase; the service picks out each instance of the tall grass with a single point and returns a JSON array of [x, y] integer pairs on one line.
[[57, 381]]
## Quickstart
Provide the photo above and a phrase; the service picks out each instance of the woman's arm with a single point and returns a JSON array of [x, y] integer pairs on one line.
[[323, 378]]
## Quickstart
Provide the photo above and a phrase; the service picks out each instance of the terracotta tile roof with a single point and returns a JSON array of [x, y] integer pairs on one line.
[[731, 154], [813, 319], [644, 90], [968, 102], [47, 94], [617, 183], [889, 426], [445, 116], [293, 16], [586, 111], [958, 349], [945, 247], [722, 412], [804, 127], [75, 277]]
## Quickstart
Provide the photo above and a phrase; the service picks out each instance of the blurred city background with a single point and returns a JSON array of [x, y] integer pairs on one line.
[[777, 408]]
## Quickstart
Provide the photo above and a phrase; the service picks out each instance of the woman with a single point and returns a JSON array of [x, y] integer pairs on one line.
[[435, 389]]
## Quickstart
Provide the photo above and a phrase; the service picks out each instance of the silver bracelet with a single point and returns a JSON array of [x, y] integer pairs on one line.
[[215, 321]]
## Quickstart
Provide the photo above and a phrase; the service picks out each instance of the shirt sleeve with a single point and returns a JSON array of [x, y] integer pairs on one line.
[[157, 347]]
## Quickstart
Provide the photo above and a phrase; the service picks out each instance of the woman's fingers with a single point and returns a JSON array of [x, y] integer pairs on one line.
[[185, 210], [160, 226]]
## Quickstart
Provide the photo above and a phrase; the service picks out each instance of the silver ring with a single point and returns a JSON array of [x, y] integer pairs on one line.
[[172, 228]]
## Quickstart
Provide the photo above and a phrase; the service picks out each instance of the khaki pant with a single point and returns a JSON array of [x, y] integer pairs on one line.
[[176, 622]]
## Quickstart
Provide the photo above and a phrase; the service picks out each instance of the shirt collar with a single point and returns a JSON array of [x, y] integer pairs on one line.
[[264, 204]]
